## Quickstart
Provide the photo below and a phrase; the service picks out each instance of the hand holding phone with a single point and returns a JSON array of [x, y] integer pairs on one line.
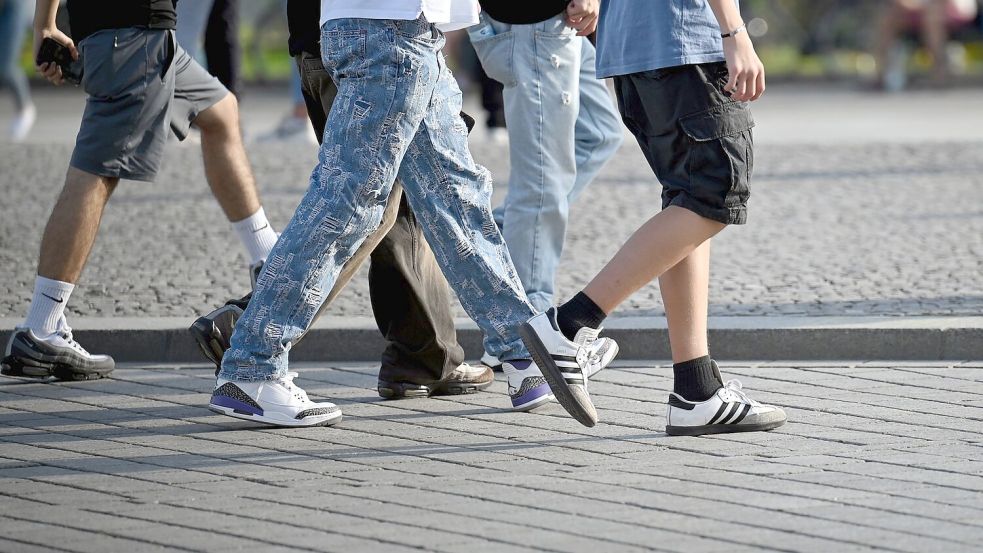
[[57, 58]]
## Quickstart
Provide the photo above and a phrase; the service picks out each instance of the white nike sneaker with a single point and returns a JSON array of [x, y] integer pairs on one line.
[[527, 387], [274, 402], [23, 123], [564, 364], [729, 410]]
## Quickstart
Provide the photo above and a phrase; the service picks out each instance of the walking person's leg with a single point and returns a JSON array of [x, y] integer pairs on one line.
[[599, 132], [200, 100], [122, 135], [379, 111], [192, 18], [222, 48], [345, 202]]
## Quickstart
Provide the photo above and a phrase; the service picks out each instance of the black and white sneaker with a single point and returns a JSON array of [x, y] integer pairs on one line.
[[729, 410], [565, 364], [57, 355], [213, 331], [274, 402]]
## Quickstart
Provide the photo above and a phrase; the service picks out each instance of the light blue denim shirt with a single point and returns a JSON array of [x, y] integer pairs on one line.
[[641, 35]]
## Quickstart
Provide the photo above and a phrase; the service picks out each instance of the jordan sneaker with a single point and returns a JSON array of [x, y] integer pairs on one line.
[[273, 402], [528, 388]]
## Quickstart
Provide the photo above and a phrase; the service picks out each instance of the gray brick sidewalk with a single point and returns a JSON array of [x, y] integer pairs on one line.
[[876, 457]]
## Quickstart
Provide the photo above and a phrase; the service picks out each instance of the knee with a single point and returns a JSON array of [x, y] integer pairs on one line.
[[221, 118]]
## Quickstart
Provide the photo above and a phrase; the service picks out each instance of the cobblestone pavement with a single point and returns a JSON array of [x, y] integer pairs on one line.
[[875, 457], [872, 226]]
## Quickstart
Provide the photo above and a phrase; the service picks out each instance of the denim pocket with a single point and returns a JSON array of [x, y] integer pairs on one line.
[[343, 52], [496, 54]]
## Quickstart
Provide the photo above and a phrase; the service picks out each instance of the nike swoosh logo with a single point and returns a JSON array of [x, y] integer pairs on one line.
[[59, 300], [261, 228]]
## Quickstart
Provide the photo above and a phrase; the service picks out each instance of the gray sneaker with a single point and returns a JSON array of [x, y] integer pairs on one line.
[[57, 355]]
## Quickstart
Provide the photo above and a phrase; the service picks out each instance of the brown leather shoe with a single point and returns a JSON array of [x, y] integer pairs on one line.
[[463, 380]]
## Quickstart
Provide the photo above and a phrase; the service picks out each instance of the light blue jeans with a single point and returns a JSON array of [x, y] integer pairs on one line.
[[396, 114], [192, 19], [563, 127]]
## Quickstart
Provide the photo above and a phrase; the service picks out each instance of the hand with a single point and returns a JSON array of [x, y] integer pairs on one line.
[[582, 15], [746, 73], [50, 70]]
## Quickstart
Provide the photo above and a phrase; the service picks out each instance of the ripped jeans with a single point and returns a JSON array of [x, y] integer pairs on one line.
[[396, 114]]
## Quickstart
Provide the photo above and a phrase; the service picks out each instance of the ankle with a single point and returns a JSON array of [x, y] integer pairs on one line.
[[697, 379], [577, 313]]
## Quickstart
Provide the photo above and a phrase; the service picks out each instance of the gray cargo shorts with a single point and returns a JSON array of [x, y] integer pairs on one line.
[[140, 83]]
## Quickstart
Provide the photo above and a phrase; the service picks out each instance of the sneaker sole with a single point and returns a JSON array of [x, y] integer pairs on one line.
[[721, 428], [395, 390], [323, 420], [561, 390], [207, 336], [40, 370], [538, 402]]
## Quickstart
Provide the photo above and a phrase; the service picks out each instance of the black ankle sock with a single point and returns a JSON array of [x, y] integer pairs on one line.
[[696, 379], [577, 313]]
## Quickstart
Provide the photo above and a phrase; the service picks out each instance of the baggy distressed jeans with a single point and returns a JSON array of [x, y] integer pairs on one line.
[[396, 114], [563, 127]]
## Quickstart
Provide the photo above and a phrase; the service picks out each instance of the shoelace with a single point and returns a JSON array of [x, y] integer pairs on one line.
[[737, 388], [297, 391], [65, 332]]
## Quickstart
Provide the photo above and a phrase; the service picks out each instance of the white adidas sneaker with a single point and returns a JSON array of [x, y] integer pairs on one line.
[[564, 364], [729, 410], [274, 402]]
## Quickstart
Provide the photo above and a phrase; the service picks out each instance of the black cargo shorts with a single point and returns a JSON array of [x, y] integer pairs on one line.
[[697, 140]]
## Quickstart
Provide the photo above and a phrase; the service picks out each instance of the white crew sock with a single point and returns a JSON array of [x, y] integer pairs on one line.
[[47, 305], [257, 236]]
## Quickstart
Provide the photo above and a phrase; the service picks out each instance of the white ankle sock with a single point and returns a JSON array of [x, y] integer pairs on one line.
[[47, 305], [257, 236]]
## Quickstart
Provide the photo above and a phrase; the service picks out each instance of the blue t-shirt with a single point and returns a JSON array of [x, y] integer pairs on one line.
[[641, 35]]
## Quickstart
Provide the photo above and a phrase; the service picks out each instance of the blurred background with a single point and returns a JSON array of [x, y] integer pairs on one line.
[[875, 45]]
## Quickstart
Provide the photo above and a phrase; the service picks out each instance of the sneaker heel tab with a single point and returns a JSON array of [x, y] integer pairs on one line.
[[676, 401], [551, 316]]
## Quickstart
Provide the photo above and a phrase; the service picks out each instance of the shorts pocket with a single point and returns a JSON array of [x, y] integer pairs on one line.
[[720, 157], [116, 63], [725, 120], [496, 53]]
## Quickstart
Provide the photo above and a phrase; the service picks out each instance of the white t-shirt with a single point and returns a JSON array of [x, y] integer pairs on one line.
[[448, 15]]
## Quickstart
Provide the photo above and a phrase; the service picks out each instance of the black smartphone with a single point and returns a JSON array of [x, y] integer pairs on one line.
[[52, 51]]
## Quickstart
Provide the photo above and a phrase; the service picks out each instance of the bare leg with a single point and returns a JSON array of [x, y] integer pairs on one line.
[[658, 245], [226, 166], [685, 293], [73, 225]]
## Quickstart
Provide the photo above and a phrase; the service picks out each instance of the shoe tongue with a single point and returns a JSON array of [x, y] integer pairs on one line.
[[586, 334]]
